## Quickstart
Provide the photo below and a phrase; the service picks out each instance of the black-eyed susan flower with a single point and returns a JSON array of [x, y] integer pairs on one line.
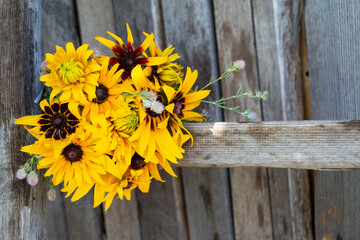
[[184, 100], [127, 56], [106, 94], [57, 122], [71, 73], [152, 134], [168, 72], [71, 159]]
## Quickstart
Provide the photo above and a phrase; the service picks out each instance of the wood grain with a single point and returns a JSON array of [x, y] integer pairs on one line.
[[302, 145], [59, 26], [333, 49], [278, 50], [22, 215], [76, 220], [236, 40], [95, 18], [188, 25]]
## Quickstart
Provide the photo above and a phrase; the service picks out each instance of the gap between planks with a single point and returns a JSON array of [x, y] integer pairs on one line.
[[318, 145]]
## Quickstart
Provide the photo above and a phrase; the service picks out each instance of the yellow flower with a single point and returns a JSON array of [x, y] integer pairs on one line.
[[168, 72], [72, 159], [106, 94], [152, 134], [184, 100], [127, 56], [57, 122], [71, 73]]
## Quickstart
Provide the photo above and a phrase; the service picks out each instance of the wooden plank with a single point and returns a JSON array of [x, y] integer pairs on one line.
[[21, 208], [277, 42], [161, 211], [302, 145], [58, 27], [73, 220], [189, 27], [235, 40], [333, 49], [95, 18]]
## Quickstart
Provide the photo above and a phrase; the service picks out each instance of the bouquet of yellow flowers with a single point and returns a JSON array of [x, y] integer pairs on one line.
[[111, 122]]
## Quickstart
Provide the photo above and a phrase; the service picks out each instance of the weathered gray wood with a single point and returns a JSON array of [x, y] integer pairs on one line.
[[84, 221], [189, 27], [95, 18], [118, 219], [21, 207], [333, 49], [76, 220], [59, 26], [302, 145], [277, 42], [236, 40], [161, 212]]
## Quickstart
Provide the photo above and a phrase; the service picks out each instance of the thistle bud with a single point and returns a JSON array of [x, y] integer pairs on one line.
[[157, 107], [96, 53], [43, 67], [252, 116], [51, 194], [148, 98], [239, 64], [27, 167], [21, 173], [32, 178]]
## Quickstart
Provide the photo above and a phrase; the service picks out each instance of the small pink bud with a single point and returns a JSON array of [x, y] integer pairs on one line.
[[252, 116], [51, 194], [21, 173], [266, 92], [27, 167], [96, 53], [157, 107], [32, 178], [43, 67], [239, 64]]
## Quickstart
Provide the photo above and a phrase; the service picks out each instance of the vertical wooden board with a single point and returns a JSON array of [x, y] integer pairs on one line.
[[333, 50], [189, 27], [161, 212], [249, 186], [59, 26], [22, 208], [121, 220], [278, 49], [95, 18], [84, 222]]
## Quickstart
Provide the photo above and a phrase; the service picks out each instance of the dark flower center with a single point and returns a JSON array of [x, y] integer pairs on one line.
[[137, 162], [72, 153], [177, 108], [102, 94], [128, 186], [59, 121], [128, 62]]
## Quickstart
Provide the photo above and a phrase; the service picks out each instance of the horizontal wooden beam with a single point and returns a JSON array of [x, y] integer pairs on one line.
[[327, 145]]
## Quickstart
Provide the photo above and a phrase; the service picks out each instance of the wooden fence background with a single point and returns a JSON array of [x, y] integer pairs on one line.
[[284, 43]]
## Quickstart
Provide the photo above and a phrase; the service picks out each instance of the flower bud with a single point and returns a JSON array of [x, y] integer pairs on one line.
[[32, 178], [21, 173], [239, 64], [148, 99], [157, 107], [96, 53], [27, 167], [252, 116], [43, 67], [51, 194]]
